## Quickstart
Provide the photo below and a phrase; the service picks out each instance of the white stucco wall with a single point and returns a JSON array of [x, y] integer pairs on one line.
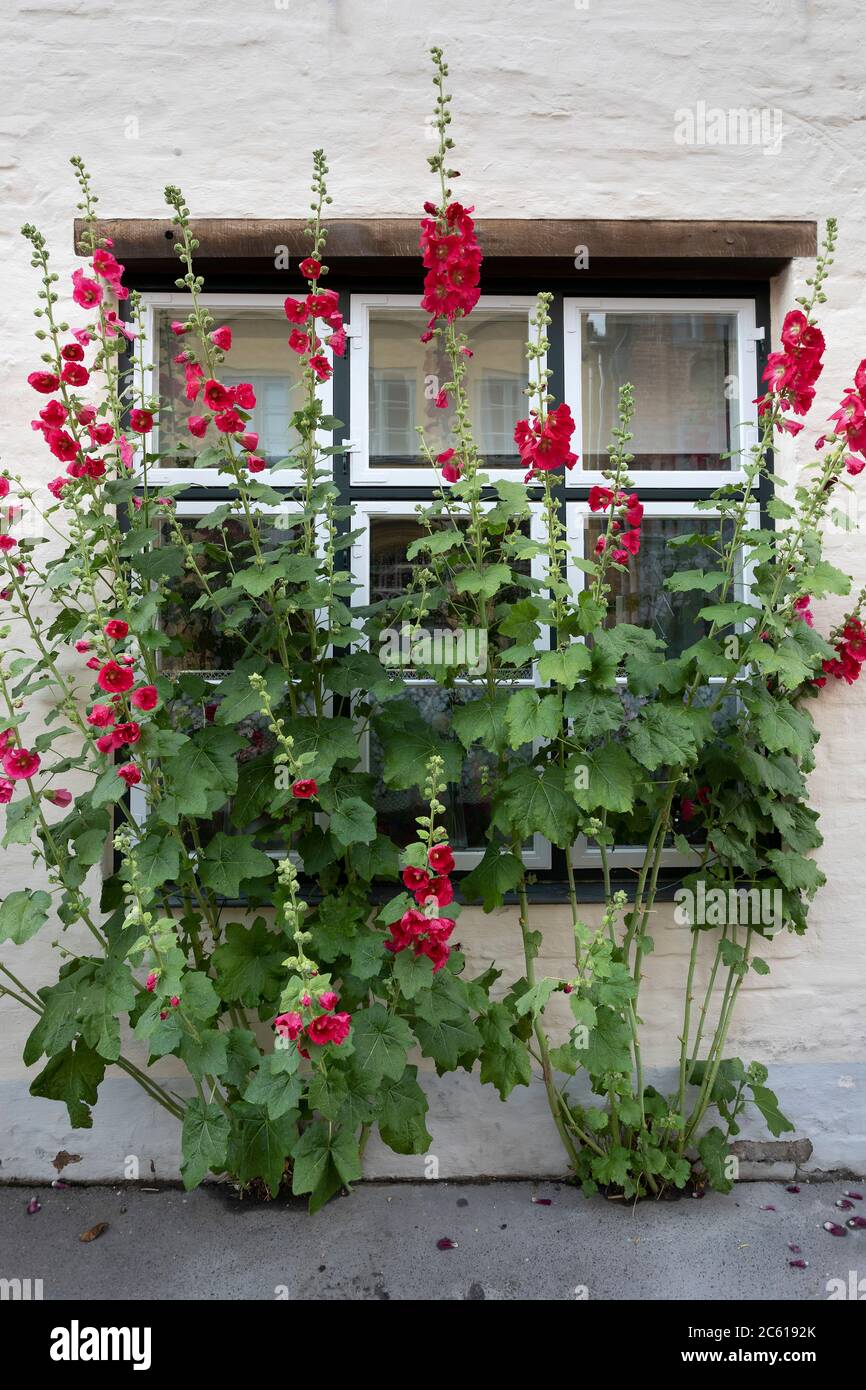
[[561, 109]]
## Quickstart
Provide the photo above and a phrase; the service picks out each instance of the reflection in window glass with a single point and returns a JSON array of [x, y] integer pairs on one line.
[[259, 355], [639, 597], [406, 376], [205, 642], [683, 368]]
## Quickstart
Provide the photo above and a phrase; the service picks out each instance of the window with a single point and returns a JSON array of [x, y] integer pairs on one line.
[[259, 355], [694, 364]]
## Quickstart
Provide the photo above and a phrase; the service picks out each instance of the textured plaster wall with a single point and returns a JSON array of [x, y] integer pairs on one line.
[[562, 109]]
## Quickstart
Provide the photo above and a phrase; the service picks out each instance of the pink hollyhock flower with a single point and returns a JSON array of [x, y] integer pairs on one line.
[[329, 1000], [101, 716], [114, 325], [228, 422], [44, 382], [288, 1025], [245, 396], [304, 788], [249, 440], [194, 377], [56, 486], [337, 342], [310, 268], [296, 311], [21, 763], [83, 336], [415, 878], [217, 396], [5, 741], [113, 678], [130, 774], [116, 629], [174, 1001], [141, 421], [298, 341], [222, 338], [178, 328], [73, 352], [150, 982], [82, 645], [125, 450], [6, 790], [93, 664], [321, 366], [85, 292], [329, 1028], [145, 697], [197, 426], [60, 797], [441, 859], [256, 464]]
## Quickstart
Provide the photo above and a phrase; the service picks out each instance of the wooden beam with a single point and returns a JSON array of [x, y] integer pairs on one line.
[[150, 241]]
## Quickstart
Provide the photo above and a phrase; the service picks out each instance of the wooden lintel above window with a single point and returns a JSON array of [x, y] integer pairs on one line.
[[629, 244]]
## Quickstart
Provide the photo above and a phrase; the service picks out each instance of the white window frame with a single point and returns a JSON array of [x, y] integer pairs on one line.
[[744, 421], [585, 855], [538, 856], [357, 448], [227, 303]]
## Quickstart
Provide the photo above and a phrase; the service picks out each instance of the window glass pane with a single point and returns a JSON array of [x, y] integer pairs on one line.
[[683, 368], [639, 597], [405, 376], [259, 355], [204, 640]]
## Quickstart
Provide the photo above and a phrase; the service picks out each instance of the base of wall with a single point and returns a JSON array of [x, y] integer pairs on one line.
[[474, 1134]]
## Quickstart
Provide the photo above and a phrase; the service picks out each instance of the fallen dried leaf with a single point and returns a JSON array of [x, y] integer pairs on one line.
[[94, 1233], [63, 1159]]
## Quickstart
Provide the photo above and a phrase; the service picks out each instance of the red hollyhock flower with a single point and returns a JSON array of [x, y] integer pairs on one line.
[[178, 328], [244, 395], [441, 401], [54, 414], [100, 434], [56, 486], [441, 859], [7, 789], [7, 542], [105, 743], [548, 446], [60, 797], [217, 396], [116, 629], [310, 268], [321, 366], [414, 879], [304, 788], [228, 422], [438, 888], [296, 310], [194, 375], [21, 763], [126, 733], [620, 557], [288, 1025], [72, 352], [197, 426], [631, 542], [101, 716], [44, 382], [298, 341], [4, 486], [337, 342], [329, 1000], [145, 697], [249, 440], [323, 304], [86, 415], [256, 464], [141, 421], [222, 338], [74, 374], [452, 258], [329, 1028], [130, 774], [113, 678]]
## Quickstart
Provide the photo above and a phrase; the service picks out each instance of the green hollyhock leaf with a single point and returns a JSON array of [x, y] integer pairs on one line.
[[61, 1005], [593, 712], [450, 1042], [328, 1093], [665, 736], [684, 581], [382, 1041], [107, 789], [412, 973], [505, 1061], [256, 785], [823, 578], [403, 1106], [531, 715], [537, 802], [198, 995], [496, 874], [367, 955], [231, 859], [333, 741], [206, 769], [272, 1086], [259, 1146], [353, 822], [609, 1044], [157, 860], [376, 860], [109, 993], [319, 1150], [22, 913], [483, 721], [782, 727], [408, 744], [534, 1000], [613, 1167], [204, 1141], [566, 667], [242, 1054], [713, 1149], [486, 582], [238, 699], [249, 965], [785, 661], [363, 671], [605, 778], [795, 872], [768, 1105], [73, 1076], [204, 1054]]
